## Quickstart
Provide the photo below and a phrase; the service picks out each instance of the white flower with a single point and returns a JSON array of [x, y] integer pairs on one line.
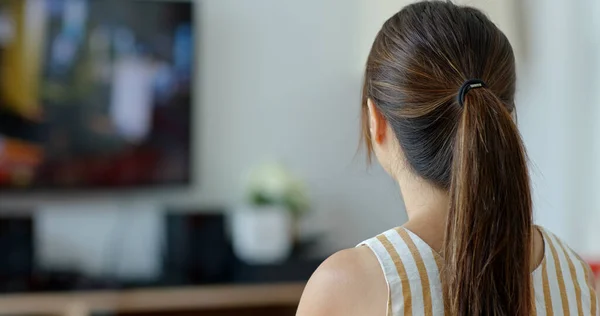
[[271, 181], [274, 184]]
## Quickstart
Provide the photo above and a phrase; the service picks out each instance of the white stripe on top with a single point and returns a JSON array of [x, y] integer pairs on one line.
[[411, 269], [387, 264]]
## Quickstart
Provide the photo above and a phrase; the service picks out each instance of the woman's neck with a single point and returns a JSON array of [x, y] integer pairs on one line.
[[423, 199], [427, 208]]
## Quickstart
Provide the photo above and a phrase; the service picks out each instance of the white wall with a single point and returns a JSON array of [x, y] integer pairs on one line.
[[281, 81], [558, 109]]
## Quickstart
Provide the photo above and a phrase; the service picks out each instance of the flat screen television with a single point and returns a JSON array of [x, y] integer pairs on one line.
[[95, 93]]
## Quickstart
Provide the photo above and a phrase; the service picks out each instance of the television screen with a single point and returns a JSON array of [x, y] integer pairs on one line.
[[95, 93]]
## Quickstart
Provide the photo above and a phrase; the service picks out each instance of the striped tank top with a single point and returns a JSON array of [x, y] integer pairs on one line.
[[411, 270]]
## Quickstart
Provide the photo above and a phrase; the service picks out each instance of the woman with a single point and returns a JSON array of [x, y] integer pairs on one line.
[[438, 105]]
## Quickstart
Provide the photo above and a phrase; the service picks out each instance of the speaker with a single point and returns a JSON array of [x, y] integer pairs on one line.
[[196, 249], [16, 247]]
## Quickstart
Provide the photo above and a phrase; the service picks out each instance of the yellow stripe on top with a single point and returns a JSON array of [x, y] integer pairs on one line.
[[546, 287], [576, 284], [593, 297], [428, 306], [439, 262], [406, 294], [559, 275]]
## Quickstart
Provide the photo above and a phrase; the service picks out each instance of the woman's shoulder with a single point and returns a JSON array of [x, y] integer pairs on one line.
[[350, 282], [398, 250], [558, 249]]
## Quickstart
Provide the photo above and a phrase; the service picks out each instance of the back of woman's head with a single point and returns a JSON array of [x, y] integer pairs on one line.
[[472, 149]]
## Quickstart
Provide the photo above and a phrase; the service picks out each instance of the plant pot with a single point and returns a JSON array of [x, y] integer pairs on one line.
[[262, 234]]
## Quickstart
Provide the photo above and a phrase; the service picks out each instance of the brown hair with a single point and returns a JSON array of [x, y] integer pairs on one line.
[[418, 62]]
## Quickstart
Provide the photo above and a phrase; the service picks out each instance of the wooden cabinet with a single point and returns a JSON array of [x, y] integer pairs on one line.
[[240, 300]]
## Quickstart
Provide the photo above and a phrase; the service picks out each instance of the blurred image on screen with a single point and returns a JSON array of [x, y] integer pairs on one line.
[[95, 93]]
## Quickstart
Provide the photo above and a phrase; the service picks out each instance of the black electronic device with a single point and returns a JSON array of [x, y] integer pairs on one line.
[[17, 252], [196, 249]]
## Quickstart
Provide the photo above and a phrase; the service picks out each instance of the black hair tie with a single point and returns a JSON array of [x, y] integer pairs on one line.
[[468, 86]]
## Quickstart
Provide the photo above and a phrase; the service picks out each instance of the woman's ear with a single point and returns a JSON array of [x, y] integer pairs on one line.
[[377, 123]]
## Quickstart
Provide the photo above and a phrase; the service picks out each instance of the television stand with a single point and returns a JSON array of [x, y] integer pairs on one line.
[[260, 299]]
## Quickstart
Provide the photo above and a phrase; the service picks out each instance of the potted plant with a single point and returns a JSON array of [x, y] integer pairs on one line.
[[264, 227]]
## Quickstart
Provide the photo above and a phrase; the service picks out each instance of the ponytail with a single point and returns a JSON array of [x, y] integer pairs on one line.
[[489, 227]]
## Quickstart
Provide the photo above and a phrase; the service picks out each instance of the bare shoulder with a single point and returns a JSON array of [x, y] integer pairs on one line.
[[350, 282]]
